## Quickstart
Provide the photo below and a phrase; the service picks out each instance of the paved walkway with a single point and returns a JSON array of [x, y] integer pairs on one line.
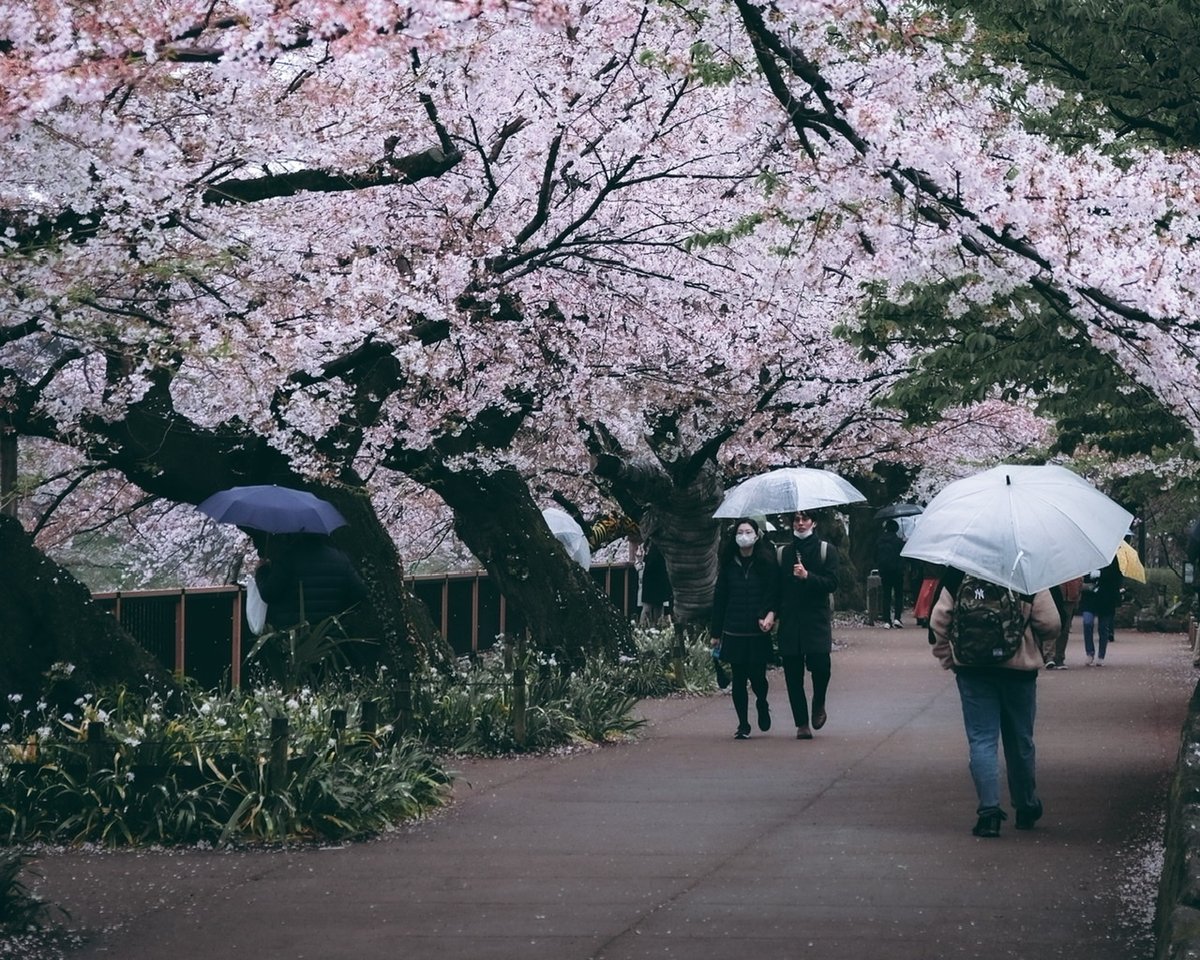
[[688, 844]]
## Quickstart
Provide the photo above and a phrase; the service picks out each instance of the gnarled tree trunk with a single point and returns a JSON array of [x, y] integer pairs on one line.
[[48, 617]]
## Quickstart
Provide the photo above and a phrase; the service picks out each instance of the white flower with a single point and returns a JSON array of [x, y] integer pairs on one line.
[[14, 698], [44, 732], [293, 704], [205, 709], [5, 727], [221, 722]]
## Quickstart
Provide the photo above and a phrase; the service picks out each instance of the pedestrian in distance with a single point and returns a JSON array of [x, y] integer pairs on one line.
[[654, 584], [1069, 594], [743, 615], [808, 577], [993, 639], [890, 565], [306, 579], [1099, 600]]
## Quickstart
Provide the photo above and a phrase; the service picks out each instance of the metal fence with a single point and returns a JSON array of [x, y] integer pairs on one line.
[[198, 632]]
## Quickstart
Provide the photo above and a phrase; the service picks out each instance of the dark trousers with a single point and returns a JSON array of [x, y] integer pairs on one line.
[[742, 673], [793, 673], [891, 595]]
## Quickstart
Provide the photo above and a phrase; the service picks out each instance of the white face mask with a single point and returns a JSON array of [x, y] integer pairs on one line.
[[805, 535], [745, 539]]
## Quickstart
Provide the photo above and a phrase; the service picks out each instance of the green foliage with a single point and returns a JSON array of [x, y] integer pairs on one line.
[[196, 767], [20, 910], [1131, 67], [1016, 348], [302, 654]]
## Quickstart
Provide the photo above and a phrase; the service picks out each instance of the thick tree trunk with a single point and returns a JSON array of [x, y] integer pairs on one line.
[[48, 617], [678, 517], [170, 457], [565, 612], [394, 616]]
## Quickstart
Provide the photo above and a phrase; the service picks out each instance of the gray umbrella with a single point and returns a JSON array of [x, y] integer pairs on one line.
[[894, 510]]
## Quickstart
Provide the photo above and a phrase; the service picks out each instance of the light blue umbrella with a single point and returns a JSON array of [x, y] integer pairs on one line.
[[1024, 527]]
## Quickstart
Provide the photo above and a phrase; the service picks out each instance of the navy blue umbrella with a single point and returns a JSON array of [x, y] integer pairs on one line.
[[273, 509]]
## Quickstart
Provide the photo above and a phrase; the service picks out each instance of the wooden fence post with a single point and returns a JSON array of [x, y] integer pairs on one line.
[[369, 716], [337, 724], [519, 694], [680, 655], [277, 766], [402, 698], [97, 747]]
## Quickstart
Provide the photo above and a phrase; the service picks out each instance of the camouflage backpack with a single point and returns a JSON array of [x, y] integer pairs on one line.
[[988, 625]]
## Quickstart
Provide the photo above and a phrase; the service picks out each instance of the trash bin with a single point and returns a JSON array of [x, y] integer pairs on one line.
[[873, 591]]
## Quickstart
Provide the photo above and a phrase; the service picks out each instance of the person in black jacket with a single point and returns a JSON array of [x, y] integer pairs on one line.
[[890, 565], [743, 614], [1099, 601], [808, 576], [306, 579]]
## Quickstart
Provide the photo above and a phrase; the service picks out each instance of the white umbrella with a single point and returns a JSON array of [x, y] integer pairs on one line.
[[786, 490], [1026, 528], [570, 534]]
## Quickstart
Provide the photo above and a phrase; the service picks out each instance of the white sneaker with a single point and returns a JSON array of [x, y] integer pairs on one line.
[[1090, 662], [1061, 666], [1100, 662], [897, 623]]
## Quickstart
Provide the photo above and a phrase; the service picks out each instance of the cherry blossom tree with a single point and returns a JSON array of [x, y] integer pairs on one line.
[[323, 245]]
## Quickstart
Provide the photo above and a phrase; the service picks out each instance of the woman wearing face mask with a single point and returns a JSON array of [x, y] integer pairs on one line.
[[808, 576], [743, 615]]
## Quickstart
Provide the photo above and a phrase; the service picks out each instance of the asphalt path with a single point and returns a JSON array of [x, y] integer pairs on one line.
[[688, 844]]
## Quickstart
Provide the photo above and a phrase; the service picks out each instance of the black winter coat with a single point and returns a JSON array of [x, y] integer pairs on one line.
[[1102, 595], [331, 586], [887, 553], [746, 592], [805, 620]]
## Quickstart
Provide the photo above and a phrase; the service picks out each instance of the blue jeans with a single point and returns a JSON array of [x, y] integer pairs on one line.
[[999, 706], [1106, 623]]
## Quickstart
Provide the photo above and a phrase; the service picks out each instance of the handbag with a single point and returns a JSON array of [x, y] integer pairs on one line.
[[256, 608]]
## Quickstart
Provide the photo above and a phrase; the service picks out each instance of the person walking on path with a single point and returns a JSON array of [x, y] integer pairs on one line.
[[1101, 595], [306, 579], [743, 615], [890, 565], [999, 699], [1069, 594], [808, 577]]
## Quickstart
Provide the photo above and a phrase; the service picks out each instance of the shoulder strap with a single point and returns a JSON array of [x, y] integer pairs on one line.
[[824, 547]]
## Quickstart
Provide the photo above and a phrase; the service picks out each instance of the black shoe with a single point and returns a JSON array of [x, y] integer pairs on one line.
[[988, 824], [742, 732], [1028, 816], [764, 715], [818, 719]]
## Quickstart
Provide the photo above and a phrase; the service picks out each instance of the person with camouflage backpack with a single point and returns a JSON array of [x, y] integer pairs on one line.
[[993, 640]]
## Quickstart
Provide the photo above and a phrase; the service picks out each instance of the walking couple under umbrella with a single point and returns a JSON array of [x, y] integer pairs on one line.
[[758, 585]]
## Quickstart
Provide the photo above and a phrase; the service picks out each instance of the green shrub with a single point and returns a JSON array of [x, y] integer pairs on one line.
[[196, 768]]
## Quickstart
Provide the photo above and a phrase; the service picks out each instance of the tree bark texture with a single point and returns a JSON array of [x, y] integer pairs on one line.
[[495, 516], [49, 617]]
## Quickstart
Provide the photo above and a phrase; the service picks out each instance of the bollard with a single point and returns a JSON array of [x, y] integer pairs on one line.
[[369, 721], [874, 589], [337, 725], [97, 747], [277, 766], [519, 698]]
